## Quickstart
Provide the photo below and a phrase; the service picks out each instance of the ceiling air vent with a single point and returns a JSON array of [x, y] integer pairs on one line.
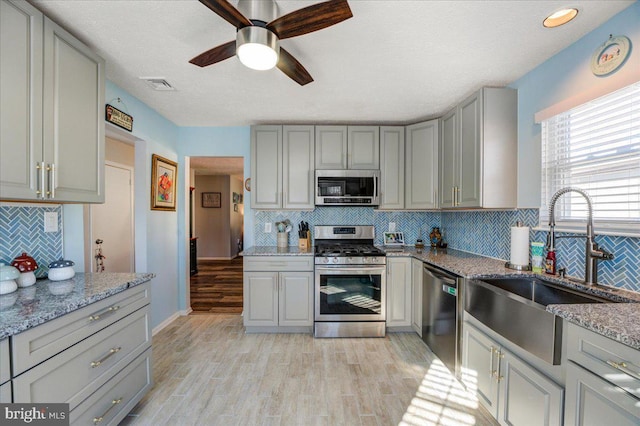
[[158, 83]]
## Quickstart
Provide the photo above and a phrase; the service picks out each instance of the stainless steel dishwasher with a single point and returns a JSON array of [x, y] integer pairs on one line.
[[441, 315]]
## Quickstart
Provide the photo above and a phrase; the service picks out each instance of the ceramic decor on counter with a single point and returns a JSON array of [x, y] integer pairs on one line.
[[26, 265], [8, 277]]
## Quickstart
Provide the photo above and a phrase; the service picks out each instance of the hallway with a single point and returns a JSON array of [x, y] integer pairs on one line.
[[217, 287]]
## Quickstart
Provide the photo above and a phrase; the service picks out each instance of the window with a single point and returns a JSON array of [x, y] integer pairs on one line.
[[595, 147]]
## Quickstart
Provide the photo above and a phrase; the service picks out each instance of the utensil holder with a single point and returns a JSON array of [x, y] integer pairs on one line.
[[283, 239]]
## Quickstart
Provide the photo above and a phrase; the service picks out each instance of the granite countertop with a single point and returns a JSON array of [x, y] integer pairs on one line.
[[46, 300], [276, 251]]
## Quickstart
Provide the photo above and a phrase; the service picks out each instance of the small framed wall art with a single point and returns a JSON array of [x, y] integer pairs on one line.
[[211, 200], [393, 238], [164, 174]]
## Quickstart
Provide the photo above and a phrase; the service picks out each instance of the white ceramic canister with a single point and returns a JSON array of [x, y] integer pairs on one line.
[[61, 270], [8, 276]]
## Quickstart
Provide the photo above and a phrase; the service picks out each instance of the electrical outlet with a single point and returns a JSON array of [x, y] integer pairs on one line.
[[392, 227], [50, 222], [267, 227]]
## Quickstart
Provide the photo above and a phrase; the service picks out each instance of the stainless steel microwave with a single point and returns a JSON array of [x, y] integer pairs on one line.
[[347, 187]]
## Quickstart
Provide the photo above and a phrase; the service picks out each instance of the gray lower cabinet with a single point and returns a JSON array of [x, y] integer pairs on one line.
[[5, 372], [510, 389], [278, 293], [97, 359], [603, 380], [5, 393], [398, 294], [51, 111], [416, 296]]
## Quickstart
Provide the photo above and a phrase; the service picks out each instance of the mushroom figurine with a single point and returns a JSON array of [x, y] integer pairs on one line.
[[26, 265], [61, 270], [8, 276]]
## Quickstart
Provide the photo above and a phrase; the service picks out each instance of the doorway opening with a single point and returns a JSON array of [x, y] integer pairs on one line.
[[216, 233]]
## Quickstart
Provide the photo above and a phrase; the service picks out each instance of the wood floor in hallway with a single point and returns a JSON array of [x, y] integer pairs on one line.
[[217, 287], [208, 371]]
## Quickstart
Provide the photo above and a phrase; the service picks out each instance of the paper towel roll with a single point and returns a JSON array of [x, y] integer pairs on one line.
[[519, 245]]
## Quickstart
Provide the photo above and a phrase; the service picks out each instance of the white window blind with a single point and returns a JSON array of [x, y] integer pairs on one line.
[[595, 147]]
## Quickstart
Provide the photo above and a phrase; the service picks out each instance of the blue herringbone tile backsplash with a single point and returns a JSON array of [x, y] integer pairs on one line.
[[22, 230]]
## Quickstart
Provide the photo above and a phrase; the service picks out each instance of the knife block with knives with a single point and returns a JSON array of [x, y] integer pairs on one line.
[[304, 236]]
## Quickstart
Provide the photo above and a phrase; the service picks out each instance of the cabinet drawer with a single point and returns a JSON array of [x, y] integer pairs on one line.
[[5, 369], [113, 401], [278, 263], [5, 393], [76, 373], [42, 342], [601, 355]]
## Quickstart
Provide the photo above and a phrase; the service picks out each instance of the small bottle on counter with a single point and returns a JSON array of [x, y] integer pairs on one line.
[[550, 263]]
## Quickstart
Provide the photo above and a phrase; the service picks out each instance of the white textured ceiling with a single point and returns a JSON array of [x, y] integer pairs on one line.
[[395, 61]]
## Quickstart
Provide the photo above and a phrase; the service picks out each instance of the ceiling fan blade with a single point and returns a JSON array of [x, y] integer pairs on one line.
[[217, 54], [292, 68], [310, 19], [227, 12]]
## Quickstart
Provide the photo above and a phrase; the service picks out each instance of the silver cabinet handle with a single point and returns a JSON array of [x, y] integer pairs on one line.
[[111, 352], [114, 402], [622, 366], [109, 310], [52, 180]]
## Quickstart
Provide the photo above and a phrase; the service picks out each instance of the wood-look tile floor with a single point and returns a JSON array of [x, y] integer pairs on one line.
[[217, 287], [207, 371]]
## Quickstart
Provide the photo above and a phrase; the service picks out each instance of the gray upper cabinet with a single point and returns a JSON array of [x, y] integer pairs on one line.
[[347, 147], [392, 167], [479, 151], [282, 159], [52, 136], [421, 166]]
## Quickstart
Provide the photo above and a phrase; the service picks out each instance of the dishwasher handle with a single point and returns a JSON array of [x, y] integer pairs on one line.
[[440, 276]]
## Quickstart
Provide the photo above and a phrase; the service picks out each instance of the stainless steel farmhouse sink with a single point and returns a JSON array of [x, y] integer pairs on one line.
[[515, 308]]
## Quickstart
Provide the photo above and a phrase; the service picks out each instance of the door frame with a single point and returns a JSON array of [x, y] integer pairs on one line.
[[88, 218]]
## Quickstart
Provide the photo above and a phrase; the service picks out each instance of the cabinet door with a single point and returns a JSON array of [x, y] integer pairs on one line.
[[526, 396], [399, 292], [266, 167], [392, 168], [73, 111], [20, 99], [260, 298], [298, 159], [448, 149], [363, 147], [331, 147], [592, 401], [421, 166], [470, 152], [416, 296], [480, 366], [296, 298]]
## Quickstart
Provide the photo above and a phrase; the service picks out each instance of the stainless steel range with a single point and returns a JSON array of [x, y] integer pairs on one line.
[[350, 282]]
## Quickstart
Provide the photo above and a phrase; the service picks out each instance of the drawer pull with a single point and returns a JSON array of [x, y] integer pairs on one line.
[[109, 310], [622, 366], [98, 363], [97, 420]]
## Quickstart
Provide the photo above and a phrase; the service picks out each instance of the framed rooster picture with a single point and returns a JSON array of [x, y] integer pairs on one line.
[[164, 174]]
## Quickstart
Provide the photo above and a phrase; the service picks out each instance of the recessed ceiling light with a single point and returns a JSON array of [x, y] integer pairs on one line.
[[560, 17]]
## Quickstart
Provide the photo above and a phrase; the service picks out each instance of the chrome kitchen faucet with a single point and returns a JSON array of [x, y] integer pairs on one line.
[[592, 252]]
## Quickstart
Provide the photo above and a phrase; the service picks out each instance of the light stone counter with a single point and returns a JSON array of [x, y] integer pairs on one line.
[[46, 300]]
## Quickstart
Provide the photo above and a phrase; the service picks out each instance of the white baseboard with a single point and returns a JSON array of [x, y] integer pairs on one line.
[[185, 312], [164, 323], [217, 258]]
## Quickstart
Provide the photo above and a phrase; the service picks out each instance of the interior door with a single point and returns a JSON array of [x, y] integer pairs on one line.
[[112, 222]]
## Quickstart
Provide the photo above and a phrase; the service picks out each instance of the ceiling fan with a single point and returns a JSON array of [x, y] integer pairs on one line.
[[257, 41]]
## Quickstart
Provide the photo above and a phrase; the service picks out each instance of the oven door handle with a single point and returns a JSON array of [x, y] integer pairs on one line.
[[342, 269]]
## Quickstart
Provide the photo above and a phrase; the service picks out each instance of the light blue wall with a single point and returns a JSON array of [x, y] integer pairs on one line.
[[209, 142], [564, 77]]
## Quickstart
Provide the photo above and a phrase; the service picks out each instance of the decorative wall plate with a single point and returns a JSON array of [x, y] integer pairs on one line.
[[610, 55], [247, 184]]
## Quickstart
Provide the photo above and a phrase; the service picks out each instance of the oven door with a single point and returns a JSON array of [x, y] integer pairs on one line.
[[350, 293]]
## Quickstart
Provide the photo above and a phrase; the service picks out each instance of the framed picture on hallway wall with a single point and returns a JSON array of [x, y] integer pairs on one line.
[[163, 183], [211, 200]]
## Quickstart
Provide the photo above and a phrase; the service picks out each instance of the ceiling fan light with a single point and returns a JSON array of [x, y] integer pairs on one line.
[[257, 48]]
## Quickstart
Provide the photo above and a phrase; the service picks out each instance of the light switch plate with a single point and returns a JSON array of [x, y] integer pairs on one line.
[[50, 222], [392, 227], [267, 227]]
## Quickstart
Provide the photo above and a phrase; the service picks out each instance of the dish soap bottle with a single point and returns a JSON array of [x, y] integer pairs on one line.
[[550, 263]]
